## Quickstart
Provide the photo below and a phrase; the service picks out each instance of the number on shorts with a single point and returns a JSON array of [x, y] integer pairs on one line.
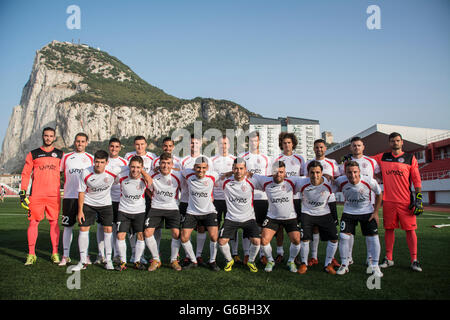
[[118, 225], [65, 220], [342, 225], [147, 222]]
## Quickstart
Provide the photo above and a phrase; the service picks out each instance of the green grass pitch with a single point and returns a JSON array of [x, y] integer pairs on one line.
[[46, 281]]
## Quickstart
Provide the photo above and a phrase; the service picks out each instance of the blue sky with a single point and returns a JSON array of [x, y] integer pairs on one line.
[[311, 59]]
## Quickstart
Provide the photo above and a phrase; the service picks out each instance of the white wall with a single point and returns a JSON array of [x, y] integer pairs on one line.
[[443, 197]]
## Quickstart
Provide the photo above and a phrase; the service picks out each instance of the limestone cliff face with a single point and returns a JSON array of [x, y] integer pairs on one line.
[[50, 99]]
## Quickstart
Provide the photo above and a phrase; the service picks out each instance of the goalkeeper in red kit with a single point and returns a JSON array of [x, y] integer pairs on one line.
[[400, 206], [43, 166]]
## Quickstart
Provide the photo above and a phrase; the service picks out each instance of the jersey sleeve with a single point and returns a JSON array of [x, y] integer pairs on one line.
[[336, 172], [339, 181], [81, 184], [26, 172], [415, 174], [375, 186]]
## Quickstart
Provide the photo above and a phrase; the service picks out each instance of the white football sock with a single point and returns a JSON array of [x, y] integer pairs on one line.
[[212, 251], [139, 250], [100, 240], [344, 244], [158, 235], [235, 245], [374, 248], [253, 252], [67, 240], [331, 251], [108, 245], [83, 245], [187, 246], [304, 251], [174, 249], [132, 238], [153, 247], [225, 249], [369, 257], [350, 248], [268, 252], [293, 251], [122, 250], [246, 246], [280, 251], [315, 245], [201, 239]]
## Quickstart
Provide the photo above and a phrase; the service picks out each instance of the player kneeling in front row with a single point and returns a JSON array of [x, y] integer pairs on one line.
[[165, 185], [316, 195], [358, 208], [131, 211], [238, 192], [281, 213]]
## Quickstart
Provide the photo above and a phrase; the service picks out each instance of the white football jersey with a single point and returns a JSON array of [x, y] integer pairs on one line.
[[239, 199], [368, 166], [280, 197], [123, 164], [166, 190], [221, 165], [315, 199], [97, 187], [72, 165], [330, 167], [295, 166], [200, 192], [188, 162], [132, 198], [258, 164], [358, 197], [147, 158], [175, 159]]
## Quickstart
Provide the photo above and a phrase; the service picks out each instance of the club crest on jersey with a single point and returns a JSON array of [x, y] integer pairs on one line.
[[106, 180], [323, 193], [401, 160], [364, 165], [85, 160], [283, 187], [293, 162], [258, 161], [54, 155], [205, 183], [139, 187], [244, 188]]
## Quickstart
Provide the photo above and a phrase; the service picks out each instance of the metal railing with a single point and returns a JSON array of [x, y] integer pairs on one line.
[[434, 175]]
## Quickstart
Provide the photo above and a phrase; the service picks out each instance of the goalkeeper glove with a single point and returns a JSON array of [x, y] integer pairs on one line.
[[418, 205], [24, 200]]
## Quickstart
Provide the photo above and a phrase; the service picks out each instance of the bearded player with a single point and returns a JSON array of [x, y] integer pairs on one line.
[[43, 164], [400, 206]]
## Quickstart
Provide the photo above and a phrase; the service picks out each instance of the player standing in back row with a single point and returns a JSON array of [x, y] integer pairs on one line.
[[398, 170], [43, 164], [72, 165]]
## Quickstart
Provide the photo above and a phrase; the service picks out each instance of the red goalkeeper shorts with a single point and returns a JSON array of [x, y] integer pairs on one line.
[[395, 213], [47, 205]]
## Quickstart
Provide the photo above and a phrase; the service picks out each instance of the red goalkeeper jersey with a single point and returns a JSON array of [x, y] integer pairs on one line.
[[45, 170], [398, 174]]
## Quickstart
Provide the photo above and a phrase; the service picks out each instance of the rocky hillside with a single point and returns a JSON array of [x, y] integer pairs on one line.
[[76, 88]]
